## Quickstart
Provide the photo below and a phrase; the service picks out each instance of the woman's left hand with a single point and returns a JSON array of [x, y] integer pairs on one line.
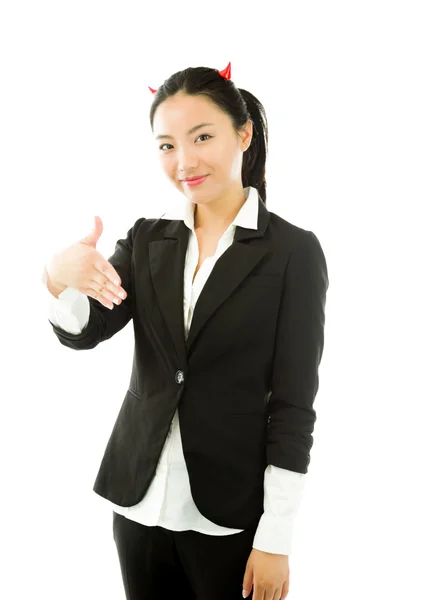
[[269, 574]]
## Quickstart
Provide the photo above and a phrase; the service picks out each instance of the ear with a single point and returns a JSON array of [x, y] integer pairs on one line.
[[246, 135]]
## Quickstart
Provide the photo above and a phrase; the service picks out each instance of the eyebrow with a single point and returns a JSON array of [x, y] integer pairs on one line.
[[161, 137]]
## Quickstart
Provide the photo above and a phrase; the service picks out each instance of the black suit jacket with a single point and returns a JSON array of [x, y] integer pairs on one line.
[[246, 378]]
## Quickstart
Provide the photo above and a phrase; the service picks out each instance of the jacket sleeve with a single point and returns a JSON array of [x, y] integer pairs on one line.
[[298, 351], [103, 323]]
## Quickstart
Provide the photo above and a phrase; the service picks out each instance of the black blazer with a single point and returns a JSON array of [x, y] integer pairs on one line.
[[246, 378]]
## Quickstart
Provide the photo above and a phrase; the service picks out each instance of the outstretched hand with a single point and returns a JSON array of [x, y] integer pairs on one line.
[[83, 268]]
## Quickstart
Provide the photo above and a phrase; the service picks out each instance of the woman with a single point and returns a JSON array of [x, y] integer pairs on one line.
[[206, 461]]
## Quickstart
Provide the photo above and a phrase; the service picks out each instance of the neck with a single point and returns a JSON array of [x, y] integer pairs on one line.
[[214, 217]]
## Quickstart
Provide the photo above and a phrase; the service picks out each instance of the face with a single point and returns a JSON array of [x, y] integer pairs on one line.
[[187, 149]]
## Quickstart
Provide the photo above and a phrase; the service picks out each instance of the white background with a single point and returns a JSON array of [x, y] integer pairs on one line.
[[343, 87]]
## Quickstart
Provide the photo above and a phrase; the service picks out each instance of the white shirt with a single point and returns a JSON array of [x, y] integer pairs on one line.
[[168, 501]]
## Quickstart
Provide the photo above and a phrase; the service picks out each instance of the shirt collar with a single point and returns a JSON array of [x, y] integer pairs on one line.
[[247, 216]]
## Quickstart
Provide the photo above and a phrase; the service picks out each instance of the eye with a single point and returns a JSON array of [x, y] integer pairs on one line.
[[202, 135]]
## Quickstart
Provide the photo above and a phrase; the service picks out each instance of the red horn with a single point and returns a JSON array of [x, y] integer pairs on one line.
[[226, 73], [153, 91]]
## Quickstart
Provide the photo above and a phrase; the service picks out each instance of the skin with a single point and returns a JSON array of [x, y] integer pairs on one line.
[[217, 151]]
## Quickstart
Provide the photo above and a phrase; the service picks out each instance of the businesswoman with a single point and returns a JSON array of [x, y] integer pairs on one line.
[[205, 464]]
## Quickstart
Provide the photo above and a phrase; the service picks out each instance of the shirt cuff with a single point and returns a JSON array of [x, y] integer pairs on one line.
[[282, 496], [274, 535], [70, 310]]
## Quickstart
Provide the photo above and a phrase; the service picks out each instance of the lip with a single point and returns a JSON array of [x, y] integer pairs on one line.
[[192, 181], [194, 178]]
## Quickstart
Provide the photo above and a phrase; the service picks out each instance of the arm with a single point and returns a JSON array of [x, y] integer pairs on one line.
[[298, 351], [294, 385]]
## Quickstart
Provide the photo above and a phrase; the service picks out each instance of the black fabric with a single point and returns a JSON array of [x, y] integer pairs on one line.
[[158, 564]]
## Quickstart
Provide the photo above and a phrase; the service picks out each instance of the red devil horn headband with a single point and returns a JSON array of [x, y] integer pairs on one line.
[[226, 74]]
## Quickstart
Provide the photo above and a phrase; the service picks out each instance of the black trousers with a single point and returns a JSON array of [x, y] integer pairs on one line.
[[160, 564]]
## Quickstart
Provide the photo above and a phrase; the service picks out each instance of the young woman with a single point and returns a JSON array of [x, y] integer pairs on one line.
[[207, 459]]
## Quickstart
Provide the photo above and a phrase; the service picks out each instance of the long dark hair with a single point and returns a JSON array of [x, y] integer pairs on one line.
[[239, 104]]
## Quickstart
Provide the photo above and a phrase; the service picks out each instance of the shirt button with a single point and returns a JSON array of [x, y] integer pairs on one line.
[[179, 377]]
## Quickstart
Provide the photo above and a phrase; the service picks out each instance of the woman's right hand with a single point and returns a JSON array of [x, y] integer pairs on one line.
[[83, 268]]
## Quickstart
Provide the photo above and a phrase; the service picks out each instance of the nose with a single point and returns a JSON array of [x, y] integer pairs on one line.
[[187, 160]]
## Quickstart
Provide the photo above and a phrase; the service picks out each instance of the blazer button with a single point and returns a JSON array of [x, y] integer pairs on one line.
[[179, 377]]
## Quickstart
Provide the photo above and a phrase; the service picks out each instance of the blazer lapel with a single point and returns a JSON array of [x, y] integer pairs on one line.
[[167, 263]]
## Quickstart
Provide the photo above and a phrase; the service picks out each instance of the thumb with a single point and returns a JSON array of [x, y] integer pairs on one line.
[[93, 237]]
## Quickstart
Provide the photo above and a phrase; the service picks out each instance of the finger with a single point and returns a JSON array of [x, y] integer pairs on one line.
[[99, 297], [93, 237], [102, 293], [272, 594], [286, 588], [278, 594], [258, 592], [100, 281], [284, 593], [107, 270], [103, 296]]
